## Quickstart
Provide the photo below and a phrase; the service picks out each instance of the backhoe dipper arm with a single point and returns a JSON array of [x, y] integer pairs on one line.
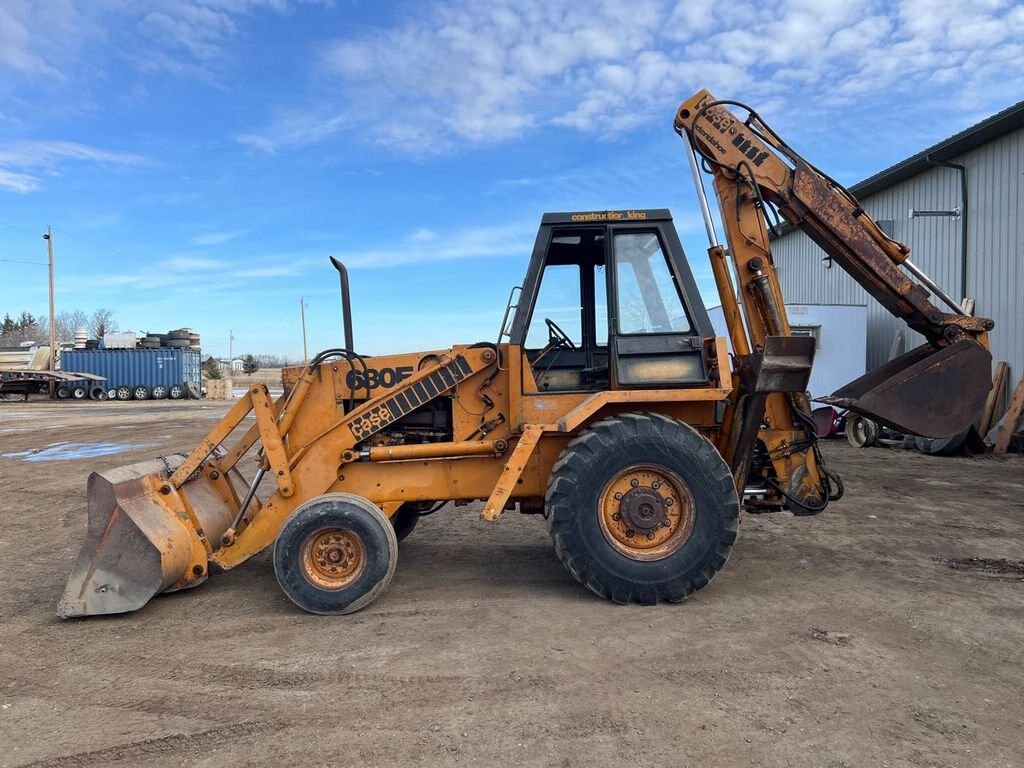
[[752, 154], [935, 390]]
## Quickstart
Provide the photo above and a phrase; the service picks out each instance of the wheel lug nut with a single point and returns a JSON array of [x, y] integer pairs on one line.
[[650, 537], [668, 502], [616, 517], [618, 497], [630, 533], [634, 482], [655, 485]]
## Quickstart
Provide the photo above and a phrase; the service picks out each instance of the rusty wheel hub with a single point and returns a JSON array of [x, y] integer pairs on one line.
[[646, 512], [333, 558]]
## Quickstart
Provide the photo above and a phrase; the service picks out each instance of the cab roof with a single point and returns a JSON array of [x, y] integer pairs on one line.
[[627, 216]]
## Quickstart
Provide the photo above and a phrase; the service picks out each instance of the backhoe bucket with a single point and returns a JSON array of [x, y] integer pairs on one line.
[[141, 540], [928, 392]]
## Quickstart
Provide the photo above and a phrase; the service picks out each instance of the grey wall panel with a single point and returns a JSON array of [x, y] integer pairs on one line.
[[995, 225]]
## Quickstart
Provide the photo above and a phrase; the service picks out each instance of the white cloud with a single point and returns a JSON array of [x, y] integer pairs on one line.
[[22, 161], [296, 128], [42, 39], [430, 247], [187, 264], [18, 182], [462, 73], [218, 238]]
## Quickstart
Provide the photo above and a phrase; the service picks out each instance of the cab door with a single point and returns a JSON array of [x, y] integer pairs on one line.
[[656, 311]]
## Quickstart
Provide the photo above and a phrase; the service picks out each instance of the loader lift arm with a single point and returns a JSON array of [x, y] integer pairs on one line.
[[934, 390]]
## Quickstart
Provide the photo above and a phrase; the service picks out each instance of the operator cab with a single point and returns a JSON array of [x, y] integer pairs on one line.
[[609, 302]]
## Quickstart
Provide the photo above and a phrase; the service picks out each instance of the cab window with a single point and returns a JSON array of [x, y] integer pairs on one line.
[[649, 300], [557, 300]]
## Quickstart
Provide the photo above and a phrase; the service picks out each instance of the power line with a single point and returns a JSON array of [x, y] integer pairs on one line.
[[19, 261], [94, 244], [20, 229]]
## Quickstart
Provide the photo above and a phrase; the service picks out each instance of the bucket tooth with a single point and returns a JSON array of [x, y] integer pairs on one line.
[[928, 392]]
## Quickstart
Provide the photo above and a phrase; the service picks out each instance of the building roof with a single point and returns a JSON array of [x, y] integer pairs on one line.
[[999, 124], [989, 129]]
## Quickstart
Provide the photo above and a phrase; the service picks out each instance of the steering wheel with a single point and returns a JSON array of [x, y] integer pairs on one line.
[[557, 337]]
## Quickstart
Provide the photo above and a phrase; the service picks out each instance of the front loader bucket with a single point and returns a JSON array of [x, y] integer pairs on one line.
[[140, 539], [928, 392]]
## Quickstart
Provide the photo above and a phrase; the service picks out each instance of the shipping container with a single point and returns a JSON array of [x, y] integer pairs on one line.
[[137, 367]]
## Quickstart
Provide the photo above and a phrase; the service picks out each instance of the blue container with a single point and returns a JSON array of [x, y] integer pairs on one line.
[[136, 367]]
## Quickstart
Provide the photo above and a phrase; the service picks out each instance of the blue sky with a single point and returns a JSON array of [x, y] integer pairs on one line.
[[200, 159]]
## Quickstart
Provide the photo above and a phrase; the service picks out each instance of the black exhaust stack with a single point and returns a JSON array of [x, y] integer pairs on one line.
[[346, 303]]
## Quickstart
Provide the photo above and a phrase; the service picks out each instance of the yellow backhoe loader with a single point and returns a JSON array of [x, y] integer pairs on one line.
[[607, 406]]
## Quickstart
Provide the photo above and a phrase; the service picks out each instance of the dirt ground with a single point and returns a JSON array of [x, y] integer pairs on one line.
[[878, 634]]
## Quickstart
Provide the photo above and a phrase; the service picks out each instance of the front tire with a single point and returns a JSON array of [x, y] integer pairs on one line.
[[335, 554], [641, 509]]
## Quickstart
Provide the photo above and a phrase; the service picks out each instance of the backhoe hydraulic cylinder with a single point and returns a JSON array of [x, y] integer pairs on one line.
[[931, 286], [702, 197]]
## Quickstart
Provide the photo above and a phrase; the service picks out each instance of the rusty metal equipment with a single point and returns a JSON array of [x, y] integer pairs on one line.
[[623, 419]]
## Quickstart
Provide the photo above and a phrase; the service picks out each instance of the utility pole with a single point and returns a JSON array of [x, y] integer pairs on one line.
[[48, 237], [302, 310], [231, 347]]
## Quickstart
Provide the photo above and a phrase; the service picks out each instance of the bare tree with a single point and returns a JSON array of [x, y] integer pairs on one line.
[[102, 323], [66, 324]]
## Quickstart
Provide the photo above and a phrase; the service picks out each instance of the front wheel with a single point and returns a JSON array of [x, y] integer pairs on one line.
[[642, 508], [335, 554]]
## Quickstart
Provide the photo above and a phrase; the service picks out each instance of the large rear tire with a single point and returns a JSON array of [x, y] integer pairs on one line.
[[405, 520], [335, 554], [641, 509]]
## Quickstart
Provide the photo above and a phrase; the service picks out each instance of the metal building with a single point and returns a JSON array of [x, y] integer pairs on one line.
[[959, 205]]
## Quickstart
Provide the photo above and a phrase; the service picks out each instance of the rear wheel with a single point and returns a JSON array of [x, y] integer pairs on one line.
[[79, 393], [63, 393], [335, 554], [642, 508], [407, 516]]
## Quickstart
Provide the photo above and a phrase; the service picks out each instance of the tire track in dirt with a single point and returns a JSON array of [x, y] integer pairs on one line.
[[144, 748]]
